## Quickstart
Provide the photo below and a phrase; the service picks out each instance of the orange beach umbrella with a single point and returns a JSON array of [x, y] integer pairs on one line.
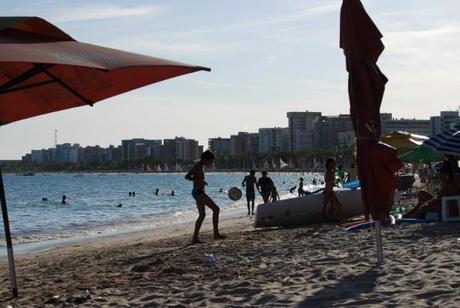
[[43, 69]]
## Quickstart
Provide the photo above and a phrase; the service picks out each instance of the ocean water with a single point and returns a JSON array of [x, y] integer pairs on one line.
[[93, 201]]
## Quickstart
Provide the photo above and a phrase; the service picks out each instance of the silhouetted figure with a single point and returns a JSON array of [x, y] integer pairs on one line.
[[156, 192], [172, 193], [134, 194], [220, 190], [44, 199], [130, 194], [314, 182], [64, 199], [265, 186], [120, 205], [300, 191], [250, 182], [196, 175]]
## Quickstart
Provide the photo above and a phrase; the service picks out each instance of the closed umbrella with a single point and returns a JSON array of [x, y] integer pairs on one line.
[[447, 142], [377, 162], [43, 69]]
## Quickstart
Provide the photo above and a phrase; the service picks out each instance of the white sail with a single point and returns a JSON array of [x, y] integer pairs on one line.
[[165, 167], [158, 168], [315, 164], [274, 166], [283, 164], [266, 166]]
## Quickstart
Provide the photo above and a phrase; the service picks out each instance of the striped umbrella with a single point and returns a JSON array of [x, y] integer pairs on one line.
[[447, 142]]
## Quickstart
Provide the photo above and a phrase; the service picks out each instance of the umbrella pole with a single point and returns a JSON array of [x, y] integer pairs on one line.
[[378, 235], [9, 244]]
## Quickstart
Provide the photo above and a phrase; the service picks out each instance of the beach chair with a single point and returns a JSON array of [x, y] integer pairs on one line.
[[450, 208]]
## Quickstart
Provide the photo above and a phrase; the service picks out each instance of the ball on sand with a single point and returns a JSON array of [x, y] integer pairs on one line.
[[235, 193]]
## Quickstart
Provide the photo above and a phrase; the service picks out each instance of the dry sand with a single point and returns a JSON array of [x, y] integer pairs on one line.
[[306, 266]]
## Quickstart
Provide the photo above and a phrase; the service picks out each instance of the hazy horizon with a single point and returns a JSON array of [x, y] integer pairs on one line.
[[267, 57]]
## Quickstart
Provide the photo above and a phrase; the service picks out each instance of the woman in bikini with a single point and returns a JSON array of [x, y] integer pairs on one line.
[[196, 175]]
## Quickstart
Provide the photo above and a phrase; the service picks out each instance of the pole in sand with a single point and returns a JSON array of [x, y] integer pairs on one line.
[[9, 244]]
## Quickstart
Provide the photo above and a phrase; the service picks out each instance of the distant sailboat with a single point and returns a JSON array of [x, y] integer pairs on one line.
[[315, 164], [266, 166], [283, 164], [159, 168], [274, 166], [178, 167], [165, 168]]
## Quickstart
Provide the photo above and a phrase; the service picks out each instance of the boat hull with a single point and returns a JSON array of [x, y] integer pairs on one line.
[[306, 209]]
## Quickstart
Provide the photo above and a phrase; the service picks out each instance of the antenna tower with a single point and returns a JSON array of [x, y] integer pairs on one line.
[[55, 138]]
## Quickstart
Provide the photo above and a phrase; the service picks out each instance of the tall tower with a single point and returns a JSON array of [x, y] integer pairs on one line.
[[55, 138]]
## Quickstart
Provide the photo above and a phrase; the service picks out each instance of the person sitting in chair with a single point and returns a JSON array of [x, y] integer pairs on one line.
[[429, 203]]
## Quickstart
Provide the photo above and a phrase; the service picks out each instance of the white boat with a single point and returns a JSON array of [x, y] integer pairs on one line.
[[306, 209]]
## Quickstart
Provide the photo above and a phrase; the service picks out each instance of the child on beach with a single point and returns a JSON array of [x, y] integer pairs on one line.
[[196, 175], [250, 181], [329, 194]]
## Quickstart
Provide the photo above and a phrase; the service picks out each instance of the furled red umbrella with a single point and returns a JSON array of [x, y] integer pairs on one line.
[[377, 162], [43, 69]]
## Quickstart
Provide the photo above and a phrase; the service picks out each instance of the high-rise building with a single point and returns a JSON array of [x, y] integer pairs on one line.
[[128, 148], [169, 149], [219, 145], [301, 129], [186, 149], [272, 140], [327, 130], [445, 121]]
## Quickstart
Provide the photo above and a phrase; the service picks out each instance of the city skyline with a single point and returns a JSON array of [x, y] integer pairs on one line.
[[267, 57], [306, 130]]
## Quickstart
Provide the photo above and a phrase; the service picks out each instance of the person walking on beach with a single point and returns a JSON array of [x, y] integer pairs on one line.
[[329, 195], [250, 182], [196, 175], [300, 191], [265, 186]]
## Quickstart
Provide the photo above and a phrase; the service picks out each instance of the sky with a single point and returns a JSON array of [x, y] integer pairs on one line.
[[267, 57]]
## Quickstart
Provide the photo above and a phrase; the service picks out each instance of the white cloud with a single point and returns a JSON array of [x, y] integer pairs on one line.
[[96, 12]]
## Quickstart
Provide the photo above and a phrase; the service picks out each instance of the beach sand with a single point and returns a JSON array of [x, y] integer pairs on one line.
[[306, 266]]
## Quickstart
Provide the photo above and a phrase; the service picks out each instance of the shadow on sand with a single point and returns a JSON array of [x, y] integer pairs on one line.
[[339, 293]]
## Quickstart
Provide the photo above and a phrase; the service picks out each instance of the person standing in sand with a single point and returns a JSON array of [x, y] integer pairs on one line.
[[329, 194], [250, 181], [300, 191], [265, 186], [196, 175]]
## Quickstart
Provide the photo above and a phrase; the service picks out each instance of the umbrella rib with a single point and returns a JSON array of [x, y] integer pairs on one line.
[[33, 85], [35, 70], [68, 88]]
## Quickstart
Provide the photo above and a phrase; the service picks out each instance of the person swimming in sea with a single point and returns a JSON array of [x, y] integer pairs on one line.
[[64, 199], [196, 175]]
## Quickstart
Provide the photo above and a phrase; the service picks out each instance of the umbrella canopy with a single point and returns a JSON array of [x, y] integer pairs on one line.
[[420, 154], [42, 70], [447, 142], [403, 140], [377, 162]]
